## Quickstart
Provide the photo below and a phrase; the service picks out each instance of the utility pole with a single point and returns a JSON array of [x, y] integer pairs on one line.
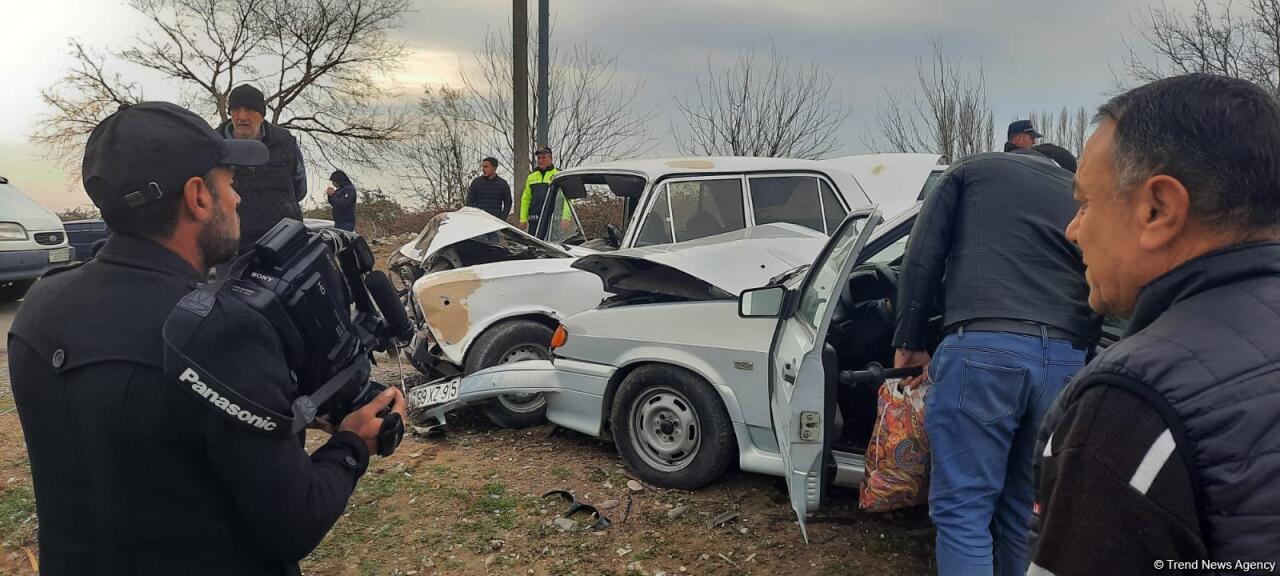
[[544, 91], [520, 98]]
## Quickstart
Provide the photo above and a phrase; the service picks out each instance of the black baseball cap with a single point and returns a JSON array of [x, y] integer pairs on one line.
[[144, 151], [543, 149], [1021, 126]]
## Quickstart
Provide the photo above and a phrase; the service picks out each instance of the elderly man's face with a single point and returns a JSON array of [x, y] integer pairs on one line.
[[245, 122], [544, 160], [1023, 140], [1107, 229]]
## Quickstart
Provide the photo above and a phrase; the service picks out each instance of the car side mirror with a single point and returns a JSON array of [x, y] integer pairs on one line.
[[763, 302]]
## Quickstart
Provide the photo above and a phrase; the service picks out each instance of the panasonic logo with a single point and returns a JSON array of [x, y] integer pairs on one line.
[[191, 377]]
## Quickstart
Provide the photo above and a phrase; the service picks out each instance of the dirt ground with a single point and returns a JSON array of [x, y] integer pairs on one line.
[[470, 503]]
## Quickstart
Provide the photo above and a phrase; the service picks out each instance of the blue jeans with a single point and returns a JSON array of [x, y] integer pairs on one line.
[[990, 392]]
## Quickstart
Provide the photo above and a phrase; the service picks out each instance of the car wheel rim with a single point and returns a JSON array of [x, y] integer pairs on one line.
[[523, 402], [665, 429]]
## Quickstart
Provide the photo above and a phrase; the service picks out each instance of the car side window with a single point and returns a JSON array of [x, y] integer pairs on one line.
[[701, 208], [657, 222], [831, 207], [792, 199]]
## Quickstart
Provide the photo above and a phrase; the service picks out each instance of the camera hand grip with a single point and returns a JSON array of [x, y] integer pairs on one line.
[[391, 433]]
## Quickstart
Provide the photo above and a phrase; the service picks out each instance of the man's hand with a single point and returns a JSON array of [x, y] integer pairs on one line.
[[365, 421], [904, 358], [330, 191]]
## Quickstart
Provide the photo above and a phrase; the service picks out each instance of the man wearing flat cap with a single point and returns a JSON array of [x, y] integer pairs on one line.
[[1022, 136], [271, 192], [136, 470]]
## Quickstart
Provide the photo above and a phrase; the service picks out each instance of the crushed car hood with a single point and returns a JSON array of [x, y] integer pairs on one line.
[[450, 228], [714, 268]]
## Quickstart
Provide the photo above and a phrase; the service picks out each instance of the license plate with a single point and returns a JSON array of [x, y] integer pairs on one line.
[[424, 396], [59, 255]]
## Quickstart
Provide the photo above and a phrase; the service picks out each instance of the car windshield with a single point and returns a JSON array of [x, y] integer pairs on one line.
[[590, 204]]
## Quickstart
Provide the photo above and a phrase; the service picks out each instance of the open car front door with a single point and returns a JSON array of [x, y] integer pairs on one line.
[[799, 383]]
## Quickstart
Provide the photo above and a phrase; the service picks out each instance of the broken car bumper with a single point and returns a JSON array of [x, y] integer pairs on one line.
[[574, 391]]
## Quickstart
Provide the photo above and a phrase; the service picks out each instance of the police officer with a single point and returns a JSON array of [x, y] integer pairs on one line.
[[132, 474], [535, 189]]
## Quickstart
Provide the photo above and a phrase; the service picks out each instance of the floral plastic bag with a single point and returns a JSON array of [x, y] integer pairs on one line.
[[897, 468]]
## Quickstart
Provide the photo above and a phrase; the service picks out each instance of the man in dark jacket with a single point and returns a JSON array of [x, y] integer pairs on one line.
[[1021, 135], [489, 192], [989, 244], [271, 192], [134, 472], [342, 197], [1164, 452]]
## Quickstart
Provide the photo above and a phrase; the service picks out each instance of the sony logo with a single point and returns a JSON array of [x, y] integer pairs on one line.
[[191, 377]]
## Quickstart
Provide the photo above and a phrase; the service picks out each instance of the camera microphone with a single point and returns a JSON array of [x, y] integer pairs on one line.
[[384, 295]]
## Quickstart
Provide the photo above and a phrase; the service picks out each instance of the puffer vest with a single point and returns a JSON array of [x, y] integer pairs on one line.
[[266, 191], [1203, 347]]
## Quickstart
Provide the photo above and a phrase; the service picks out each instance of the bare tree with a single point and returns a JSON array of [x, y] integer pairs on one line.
[[1064, 128], [948, 114], [770, 108], [594, 113], [436, 161], [1220, 39], [320, 64]]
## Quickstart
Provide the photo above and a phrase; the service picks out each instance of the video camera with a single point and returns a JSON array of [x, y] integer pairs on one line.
[[331, 310]]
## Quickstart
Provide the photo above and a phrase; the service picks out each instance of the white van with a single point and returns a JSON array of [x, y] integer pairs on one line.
[[32, 241]]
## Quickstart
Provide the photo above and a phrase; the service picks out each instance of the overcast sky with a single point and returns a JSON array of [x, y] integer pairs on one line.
[[1037, 54]]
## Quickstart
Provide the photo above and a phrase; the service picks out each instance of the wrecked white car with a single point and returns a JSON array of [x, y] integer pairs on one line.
[[479, 313], [700, 379]]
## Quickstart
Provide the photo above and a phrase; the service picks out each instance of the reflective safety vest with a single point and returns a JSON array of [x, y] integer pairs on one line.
[[535, 192]]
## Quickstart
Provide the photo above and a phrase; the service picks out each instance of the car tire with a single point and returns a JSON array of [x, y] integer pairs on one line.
[[672, 428], [512, 341], [15, 290]]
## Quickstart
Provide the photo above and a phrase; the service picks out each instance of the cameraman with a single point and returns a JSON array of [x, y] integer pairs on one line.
[[132, 474]]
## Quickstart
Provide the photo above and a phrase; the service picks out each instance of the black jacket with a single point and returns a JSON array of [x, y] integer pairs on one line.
[[133, 474], [995, 229], [271, 192], [493, 195], [1201, 360], [343, 201]]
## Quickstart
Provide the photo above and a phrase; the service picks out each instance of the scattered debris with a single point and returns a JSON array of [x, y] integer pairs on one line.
[[496, 545], [635, 486], [565, 524], [623, 551], [677, 512], [610, 504], [722, 519], [727, 559]]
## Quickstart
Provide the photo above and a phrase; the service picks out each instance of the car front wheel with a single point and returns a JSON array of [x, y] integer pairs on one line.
[[671, 428], [514, 341]]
